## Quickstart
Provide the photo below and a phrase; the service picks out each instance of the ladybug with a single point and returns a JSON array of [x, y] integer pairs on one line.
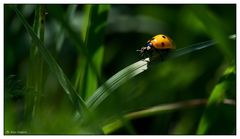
[[160, 44]]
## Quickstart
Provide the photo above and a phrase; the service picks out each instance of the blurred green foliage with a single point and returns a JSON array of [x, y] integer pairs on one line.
[[93, 42]]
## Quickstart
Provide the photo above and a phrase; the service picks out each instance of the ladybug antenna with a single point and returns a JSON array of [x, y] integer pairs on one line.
[[142, 50]]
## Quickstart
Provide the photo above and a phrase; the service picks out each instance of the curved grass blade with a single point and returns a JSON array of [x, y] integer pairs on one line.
[[225, 86], [77, 101], [129, 72], [115, 81], [113, 126]]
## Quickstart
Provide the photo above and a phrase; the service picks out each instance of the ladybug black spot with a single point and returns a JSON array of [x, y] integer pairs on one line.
[[164, 37], [162, 44]]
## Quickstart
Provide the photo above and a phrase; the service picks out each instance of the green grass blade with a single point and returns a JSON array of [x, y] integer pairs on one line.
[[92, 58], [214, 27], [89, 69], [113, 126], [220, 91], [31, 82], [57, 13], [69, 15], [192, 48], [77, 101], [115, 81], [35, 74]]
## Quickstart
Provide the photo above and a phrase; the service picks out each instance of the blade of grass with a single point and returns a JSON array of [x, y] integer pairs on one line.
[[57, 12], [214, 27], [115, 81], [217, 96], [35, 74], [93, 31], [192, 48], [89, 62], [69, 15], [30, 77], [77, 101], [113, 126]]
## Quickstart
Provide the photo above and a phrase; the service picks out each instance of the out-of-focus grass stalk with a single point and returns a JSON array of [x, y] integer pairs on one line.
[[84, 116], [36, 66], [76, 100], [113, 126], [93, 32], [217, 96], [68, 16], [89, 68]]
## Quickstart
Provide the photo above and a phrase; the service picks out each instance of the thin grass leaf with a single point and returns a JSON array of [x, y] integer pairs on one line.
[[88, 75], [113, 126], [35, 74], [77, 101], [30, 77], [57, 13], [88, 54], [214, 27], [192, 48], [115, 81], [69, 15], [217, 96]]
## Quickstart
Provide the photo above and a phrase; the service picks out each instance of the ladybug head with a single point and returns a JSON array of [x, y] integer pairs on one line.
[[146, 50]]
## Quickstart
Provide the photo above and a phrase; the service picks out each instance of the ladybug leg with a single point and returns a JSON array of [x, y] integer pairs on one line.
[[142, 50], [145, 51]]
